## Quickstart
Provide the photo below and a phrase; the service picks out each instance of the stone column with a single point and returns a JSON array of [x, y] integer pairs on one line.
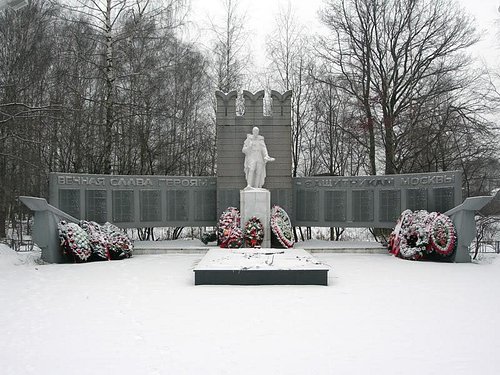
[[257, 202]]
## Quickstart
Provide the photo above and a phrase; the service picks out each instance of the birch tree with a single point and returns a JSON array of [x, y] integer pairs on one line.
[[230, 57], [290, 64]]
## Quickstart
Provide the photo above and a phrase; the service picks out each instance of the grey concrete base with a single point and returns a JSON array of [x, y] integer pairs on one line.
[[260, 267]]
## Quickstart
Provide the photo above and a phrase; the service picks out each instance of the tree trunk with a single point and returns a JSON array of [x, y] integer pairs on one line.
[[371, 132], [389, 145], [3, 219], [108, 132], [3, 193]]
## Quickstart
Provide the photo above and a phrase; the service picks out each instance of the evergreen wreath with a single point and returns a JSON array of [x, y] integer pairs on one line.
[[254, 232], [281, 226]]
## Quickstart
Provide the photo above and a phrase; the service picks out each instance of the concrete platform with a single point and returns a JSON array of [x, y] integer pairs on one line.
[[260, 267], [312, 246]]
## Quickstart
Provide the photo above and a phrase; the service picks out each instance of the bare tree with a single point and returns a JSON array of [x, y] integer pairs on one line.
[[347, 55], [396, 55], [290, 63], [57, 109], [230, 57], [338, 152], [24, 101]]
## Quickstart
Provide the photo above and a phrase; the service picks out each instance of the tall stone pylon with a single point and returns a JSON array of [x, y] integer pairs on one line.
[[232, 130]]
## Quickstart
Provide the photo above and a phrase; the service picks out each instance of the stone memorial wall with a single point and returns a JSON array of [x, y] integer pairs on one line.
[[136, 201], [372, 201]]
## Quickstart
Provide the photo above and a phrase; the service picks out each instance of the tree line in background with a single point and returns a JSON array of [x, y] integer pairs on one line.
[[112, 86]]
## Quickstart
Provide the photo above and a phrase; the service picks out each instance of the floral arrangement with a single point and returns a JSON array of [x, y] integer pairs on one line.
[[74, 241], [254, 232], [98, 239], [91, 241], [281, 226], [420, 233], [228, 230], [120, 245], [442, 235]]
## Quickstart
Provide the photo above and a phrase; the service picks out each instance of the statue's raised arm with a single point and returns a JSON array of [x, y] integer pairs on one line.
[[256, 157]]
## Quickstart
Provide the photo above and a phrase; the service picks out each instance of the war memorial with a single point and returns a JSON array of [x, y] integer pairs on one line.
[[253, 175]]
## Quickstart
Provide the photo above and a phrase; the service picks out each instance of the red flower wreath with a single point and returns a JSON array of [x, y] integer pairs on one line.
[[442, 235], [254, 232]]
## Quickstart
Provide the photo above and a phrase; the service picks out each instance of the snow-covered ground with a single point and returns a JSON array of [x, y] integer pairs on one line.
[[379, 315]]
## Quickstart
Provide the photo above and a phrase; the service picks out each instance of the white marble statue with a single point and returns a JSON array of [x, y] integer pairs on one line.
[[256, 157]]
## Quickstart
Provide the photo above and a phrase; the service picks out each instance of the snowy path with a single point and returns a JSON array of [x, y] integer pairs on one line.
[[379, 315]]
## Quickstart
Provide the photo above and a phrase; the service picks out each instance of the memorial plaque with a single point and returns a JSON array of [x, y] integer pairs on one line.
[[123, 206], [150, 203], [362, 205], [335, 205], [416, 199], [205, 205], [390, 205], [69, 202], [307, 202], [443, 199], [96, 206], [177, 205]]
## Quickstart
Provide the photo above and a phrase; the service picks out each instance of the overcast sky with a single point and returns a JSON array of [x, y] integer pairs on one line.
[[260, 17]]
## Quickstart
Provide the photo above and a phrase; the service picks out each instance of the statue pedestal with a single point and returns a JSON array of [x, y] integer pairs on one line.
[[257, 202]]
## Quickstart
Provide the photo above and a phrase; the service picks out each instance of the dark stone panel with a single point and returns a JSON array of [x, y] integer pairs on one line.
[[389, 205], [205, 205], [362, 205], [336, 205], [96, 206], [443, 198], [307, 205], [416, 199], [123, 206], [177, 205], [150, 205], [69, 202]]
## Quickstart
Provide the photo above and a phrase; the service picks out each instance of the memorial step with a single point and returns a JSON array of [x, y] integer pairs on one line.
[[197, 247]]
